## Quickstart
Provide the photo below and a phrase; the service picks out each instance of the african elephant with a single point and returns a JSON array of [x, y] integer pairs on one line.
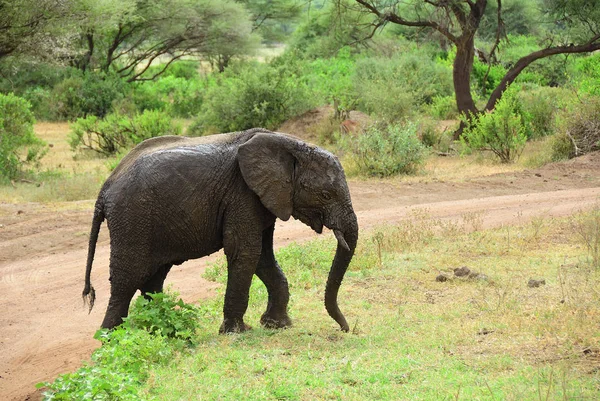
[[174, 198]]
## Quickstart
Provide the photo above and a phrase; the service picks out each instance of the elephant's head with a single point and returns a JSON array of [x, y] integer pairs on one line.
[[295, 179]]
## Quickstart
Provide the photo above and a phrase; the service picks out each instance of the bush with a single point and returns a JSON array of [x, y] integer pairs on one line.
[[386, 151], [502, 131], [86, 94], [540, 106], [562, 147], [118, 132], [444, 107], [252, 95], [19, 147], [581, 124], [153, 334], [392, 88]]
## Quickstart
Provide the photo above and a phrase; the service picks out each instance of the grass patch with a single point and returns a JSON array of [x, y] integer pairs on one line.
[[490, 337]]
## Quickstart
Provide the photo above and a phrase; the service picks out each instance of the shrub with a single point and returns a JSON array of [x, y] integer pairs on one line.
[[118, 132], [86, 94], [392, 88], [19, 147], [153, 334], [386, 151], [444, 107], [562, 147], [581, 124], [540, 106], [252, 95], [502, 131]]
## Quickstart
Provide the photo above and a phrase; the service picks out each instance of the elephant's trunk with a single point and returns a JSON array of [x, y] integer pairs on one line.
[[347, 236]]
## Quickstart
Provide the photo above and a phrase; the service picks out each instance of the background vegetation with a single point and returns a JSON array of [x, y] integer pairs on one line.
[[390, 74]]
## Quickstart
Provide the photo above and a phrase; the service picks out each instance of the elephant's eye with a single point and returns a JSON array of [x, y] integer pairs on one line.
[[326, 195]]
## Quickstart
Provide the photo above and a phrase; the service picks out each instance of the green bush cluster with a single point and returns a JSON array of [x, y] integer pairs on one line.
[[89, 94], [580, 128], [252, 95], [387, 150], [117, 132], [502, 131], [392, 88], [19, 147], [152, 335]]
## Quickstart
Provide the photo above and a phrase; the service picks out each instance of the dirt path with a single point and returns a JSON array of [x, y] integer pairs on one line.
[[45, 330]]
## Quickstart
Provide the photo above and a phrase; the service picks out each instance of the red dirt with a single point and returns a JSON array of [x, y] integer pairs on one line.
[[46, 331]]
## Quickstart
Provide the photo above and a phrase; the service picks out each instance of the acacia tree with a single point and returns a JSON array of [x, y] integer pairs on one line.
[[128, 36], [574, 27], [22, 23]]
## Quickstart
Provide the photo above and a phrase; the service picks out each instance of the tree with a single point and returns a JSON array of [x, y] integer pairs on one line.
[[128, 36], [575, 29], [270, 17], [23, 22]]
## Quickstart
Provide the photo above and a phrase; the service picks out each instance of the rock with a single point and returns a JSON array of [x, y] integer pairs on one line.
[[536, 283], [442, 278], [462, 271]]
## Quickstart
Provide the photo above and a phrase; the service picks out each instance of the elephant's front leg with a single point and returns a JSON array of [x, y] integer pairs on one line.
[[272, 276], [243, 253]]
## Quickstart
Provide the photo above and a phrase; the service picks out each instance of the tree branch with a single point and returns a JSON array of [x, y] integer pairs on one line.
[[523, 62]]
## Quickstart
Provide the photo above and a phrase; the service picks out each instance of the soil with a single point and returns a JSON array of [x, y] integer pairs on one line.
[[45, 330]]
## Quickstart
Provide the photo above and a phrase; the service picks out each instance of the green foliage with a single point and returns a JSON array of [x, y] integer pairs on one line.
[[586, 74], [444, 107], [117, 132], [19, 147], [502, 131], [87, 94], [562, 147], [165, 316], [331, 81], [177, 96], [580, 121], [486, 81], [386, 151], [540, 106], [252, 95], [151, 336], [391, 88]]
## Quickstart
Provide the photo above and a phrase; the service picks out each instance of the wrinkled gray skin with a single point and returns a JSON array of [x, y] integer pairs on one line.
[[174, 198]]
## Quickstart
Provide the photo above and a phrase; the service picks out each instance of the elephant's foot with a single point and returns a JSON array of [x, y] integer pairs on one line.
[[233, 326], [275, 322]]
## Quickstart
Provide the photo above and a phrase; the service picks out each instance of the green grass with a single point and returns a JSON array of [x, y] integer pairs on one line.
[[485, 338]]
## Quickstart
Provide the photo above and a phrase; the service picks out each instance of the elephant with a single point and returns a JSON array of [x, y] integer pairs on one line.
[[175, 198]]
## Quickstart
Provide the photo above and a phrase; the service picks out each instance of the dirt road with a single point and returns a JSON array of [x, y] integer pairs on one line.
[[46, 331]]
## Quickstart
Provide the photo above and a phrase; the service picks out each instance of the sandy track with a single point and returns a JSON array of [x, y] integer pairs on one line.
[[45, 330]]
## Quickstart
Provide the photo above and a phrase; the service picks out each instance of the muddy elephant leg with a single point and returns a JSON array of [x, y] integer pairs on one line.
[[155, 283], [272, 276], [125, 280], [243, 253]]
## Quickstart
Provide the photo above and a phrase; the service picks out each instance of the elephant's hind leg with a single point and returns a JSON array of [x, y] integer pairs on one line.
[[126, 277], [269, 272], [155, 283]]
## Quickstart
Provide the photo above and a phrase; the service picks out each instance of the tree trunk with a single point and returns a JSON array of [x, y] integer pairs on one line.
[[461, 75]]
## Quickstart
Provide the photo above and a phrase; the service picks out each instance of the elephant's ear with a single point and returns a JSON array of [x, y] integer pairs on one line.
[[267, 167]]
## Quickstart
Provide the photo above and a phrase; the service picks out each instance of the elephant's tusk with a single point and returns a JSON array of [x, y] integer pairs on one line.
[[340, 237]]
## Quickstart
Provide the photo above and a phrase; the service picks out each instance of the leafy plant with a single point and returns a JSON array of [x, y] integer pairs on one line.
[[82, 95], [392, 88], [581, 124], [151, 336], [502, 131], [19, 147], [117, 132], [165, 316], [252, 95], [386, 151]]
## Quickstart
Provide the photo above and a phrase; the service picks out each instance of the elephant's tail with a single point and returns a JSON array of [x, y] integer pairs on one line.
[[89, 294]]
